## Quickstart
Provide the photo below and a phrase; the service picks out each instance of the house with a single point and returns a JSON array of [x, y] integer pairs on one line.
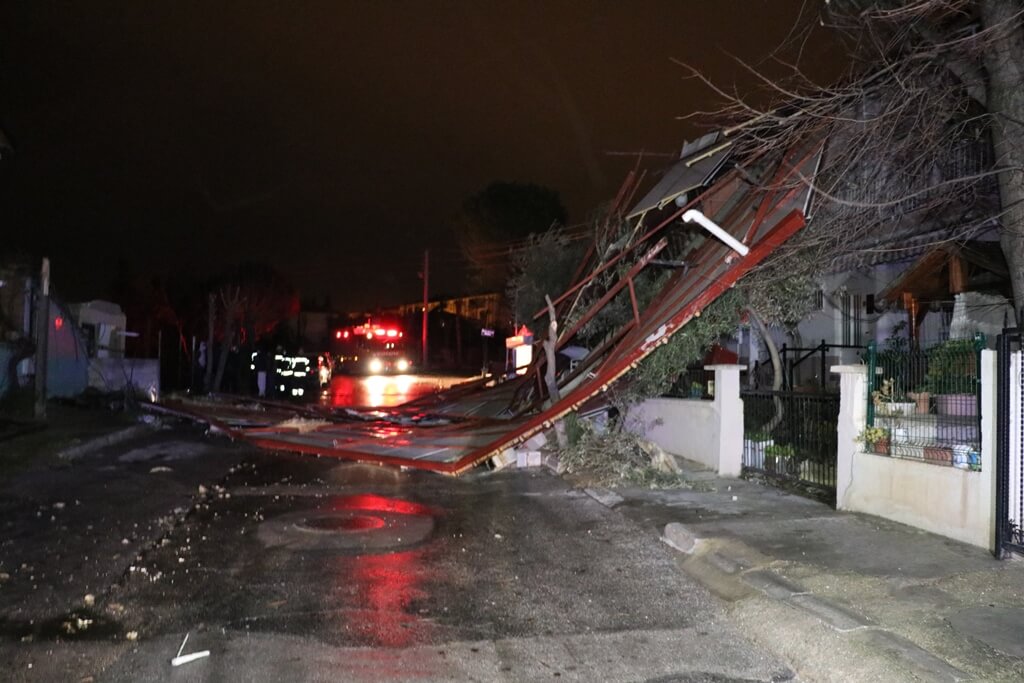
[[102, 327], [67, 363]]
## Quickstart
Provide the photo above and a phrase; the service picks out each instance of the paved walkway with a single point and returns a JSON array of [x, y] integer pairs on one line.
[[840, 596]]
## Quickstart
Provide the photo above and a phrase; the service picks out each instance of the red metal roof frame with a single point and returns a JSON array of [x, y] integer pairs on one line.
[[714, 268]]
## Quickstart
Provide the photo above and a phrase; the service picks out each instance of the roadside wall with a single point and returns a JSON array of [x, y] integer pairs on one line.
[[708, 432], [949, 501]]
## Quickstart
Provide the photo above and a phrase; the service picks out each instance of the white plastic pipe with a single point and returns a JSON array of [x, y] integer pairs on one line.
[[693, 215]]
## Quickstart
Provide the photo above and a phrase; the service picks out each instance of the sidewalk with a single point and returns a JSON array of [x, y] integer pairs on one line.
[[840, 596]]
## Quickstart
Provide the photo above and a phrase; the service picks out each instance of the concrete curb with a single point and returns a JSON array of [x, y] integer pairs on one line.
[[604, 496], [92, 445], [724, 575]]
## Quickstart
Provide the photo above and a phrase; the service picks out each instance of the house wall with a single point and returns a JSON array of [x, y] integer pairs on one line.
[[948, 501], [108, 323], [67, 361], [708, 432]]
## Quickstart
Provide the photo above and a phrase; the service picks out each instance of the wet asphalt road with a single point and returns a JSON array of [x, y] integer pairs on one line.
[[292, 568], [383, 391]]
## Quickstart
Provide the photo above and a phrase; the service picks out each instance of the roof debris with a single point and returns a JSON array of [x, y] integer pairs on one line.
[[454, 430]]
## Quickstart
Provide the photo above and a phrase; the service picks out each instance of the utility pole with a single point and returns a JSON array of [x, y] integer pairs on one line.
[[426, 301], [42, 334]]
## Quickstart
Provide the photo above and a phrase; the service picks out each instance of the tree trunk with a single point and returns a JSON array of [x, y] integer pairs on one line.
[[773, 353], [225, 347], [1004, 61], [211, 323], [549, 373]]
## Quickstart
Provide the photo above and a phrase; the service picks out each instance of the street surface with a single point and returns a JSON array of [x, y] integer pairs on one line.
[[383, 391], [302, 568]]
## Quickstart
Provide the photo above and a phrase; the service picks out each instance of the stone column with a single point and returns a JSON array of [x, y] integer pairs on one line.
[[989, 396], [729, 407]]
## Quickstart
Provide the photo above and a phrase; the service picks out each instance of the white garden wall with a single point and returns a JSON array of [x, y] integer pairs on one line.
[[708, 432], [956, 503]]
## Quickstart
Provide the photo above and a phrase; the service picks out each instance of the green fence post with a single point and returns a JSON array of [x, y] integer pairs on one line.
[[979, 344], [872, 363]]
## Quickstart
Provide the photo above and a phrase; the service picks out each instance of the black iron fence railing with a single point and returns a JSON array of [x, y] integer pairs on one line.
[[791, 435]]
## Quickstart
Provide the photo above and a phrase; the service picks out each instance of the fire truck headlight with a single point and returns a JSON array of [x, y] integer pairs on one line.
[[375, 365], [402, 365]]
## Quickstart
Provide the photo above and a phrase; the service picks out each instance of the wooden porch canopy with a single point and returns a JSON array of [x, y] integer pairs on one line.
[[947, 270]]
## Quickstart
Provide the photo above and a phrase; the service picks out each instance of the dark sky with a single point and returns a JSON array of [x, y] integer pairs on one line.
[[334, 140]]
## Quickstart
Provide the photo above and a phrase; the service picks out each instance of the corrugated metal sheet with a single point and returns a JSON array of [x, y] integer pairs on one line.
[[698, 164]]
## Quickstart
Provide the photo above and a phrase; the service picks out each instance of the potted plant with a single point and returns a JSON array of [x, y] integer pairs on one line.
[[781, 458], [875, 440], [754, 446], [696, 390], [889, 401], [953, 377]]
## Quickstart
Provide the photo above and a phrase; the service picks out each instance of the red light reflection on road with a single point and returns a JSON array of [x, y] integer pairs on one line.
[[383, 588], [387, 585], [382, 391], [368, 502]]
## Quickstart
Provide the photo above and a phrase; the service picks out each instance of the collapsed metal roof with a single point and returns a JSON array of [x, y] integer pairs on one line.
[[760, 203], [698, 163]]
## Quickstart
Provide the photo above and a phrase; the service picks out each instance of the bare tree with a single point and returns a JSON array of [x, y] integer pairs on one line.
[[924, 133]]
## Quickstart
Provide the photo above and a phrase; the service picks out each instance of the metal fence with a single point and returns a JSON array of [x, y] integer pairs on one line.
[[923, 402], [791, 435], [695, 382]]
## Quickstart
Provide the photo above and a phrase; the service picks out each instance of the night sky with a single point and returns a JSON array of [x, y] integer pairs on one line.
[[334, 140]]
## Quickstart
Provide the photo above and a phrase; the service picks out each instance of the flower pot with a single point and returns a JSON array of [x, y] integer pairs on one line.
[[922, 401], [938, 454], [880, 447], [895, 408], [964, 405]]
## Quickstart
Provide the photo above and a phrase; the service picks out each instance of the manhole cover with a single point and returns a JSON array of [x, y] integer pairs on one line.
[[342, 524], [364, 523]]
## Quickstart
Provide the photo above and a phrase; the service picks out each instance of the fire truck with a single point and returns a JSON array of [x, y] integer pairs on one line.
[[375, 347]]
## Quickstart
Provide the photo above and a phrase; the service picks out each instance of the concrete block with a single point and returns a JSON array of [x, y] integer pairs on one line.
[[679, 537], [773, 585], [504, 459], [536, 442], [605, 497], [98, 443], [726, 564], [839, 618], [526, 458], [930, 667]]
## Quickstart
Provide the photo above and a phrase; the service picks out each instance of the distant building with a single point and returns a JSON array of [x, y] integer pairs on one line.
[[487, 309]]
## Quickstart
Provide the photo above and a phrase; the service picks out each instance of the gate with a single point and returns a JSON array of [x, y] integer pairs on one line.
[[1010, 444], [791, 435]]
